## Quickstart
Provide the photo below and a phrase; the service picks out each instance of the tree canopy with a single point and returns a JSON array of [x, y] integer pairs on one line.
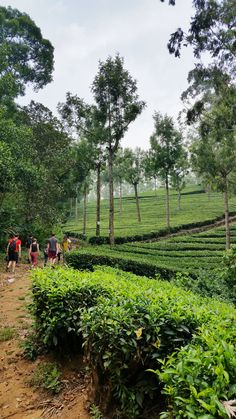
[[25, 56]]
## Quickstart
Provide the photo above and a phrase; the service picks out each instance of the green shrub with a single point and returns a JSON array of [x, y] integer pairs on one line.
[[228, 271], [76, 235], [129, 325], [200, 376], [207, 284], [88, 258], [47, 376]]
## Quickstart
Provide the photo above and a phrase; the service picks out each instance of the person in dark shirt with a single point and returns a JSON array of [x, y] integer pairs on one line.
[[13, 252], [53, 249], [45, 253], [34, 252], [27, 245]]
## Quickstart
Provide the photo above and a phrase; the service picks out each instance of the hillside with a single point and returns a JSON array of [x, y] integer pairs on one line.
[[196, 206]]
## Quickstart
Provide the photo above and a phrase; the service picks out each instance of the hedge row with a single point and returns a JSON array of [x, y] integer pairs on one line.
[[154, 234], [178, 251], [86, 259], [130, 325], [75, 235]]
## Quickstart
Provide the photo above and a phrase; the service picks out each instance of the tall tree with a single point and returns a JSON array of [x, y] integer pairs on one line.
[[166, 148], [88, 122], [38, 147], [119, 173], [212, 89], [133, 172], [84, 166], [26, 57], [214, 151], [178, 174], [115, 93], [150, 169], [212, 30]]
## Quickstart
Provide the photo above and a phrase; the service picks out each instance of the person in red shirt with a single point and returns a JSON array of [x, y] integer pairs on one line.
[[13, 252]]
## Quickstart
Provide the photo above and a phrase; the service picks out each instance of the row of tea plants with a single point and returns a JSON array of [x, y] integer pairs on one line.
[[149, 344], [184, 253], [196, 208]]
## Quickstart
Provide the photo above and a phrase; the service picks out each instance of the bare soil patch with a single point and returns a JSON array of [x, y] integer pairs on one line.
[[18, 399]]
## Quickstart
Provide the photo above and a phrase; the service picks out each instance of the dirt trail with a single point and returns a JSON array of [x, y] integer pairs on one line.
[[19, 400]]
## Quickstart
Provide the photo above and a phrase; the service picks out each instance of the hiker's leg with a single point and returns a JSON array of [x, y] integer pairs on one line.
[[13, 266]]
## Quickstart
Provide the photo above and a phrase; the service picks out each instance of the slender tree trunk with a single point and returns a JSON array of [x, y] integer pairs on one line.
[[226, 205], [76, 208], [155, 186], [111, 198], [76, 204], [209, 192], [120, 184], [137, 201], [167, 203], [71, 206], [179, 199], [85, 210], [98, 217]]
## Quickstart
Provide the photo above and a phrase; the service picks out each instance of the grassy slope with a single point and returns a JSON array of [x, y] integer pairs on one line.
[[194, 207]]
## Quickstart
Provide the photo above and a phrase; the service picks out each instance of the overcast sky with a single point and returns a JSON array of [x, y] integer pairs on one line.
[[86, 31]]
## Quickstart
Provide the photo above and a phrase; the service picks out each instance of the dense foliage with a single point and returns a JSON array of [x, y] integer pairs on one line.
[[188, 253], [128, 325]]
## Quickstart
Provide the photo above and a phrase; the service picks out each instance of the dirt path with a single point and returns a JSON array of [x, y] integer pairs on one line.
[[19, 400]]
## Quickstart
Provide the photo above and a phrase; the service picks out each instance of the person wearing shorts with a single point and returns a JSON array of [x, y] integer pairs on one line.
[[53, 249], [13, 252]]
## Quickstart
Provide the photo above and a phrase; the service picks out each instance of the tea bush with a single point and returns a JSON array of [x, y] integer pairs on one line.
[[87, 258], [189, 253], [196, 207], [129, 325]]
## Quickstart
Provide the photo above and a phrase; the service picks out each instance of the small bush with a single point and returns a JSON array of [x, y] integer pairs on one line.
[[47, 377], [32, 347], [228, 271]]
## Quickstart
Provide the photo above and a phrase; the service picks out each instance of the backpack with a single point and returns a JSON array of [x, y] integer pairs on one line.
[[12, 246], [28, 242]]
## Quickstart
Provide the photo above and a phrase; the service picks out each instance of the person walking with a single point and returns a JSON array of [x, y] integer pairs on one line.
[[66, 246], [34, 252], [59, 254], [53, 249], [13, 252], [27, 245], [45, 253]]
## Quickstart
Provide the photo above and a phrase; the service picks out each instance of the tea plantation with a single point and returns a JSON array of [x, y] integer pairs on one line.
[[196, 207], [154, 350], [184, 253]]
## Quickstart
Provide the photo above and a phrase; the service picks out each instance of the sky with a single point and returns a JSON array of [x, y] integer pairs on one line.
[[86, 31]]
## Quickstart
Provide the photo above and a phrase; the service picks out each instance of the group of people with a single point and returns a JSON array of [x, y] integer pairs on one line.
[[52, 251]]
